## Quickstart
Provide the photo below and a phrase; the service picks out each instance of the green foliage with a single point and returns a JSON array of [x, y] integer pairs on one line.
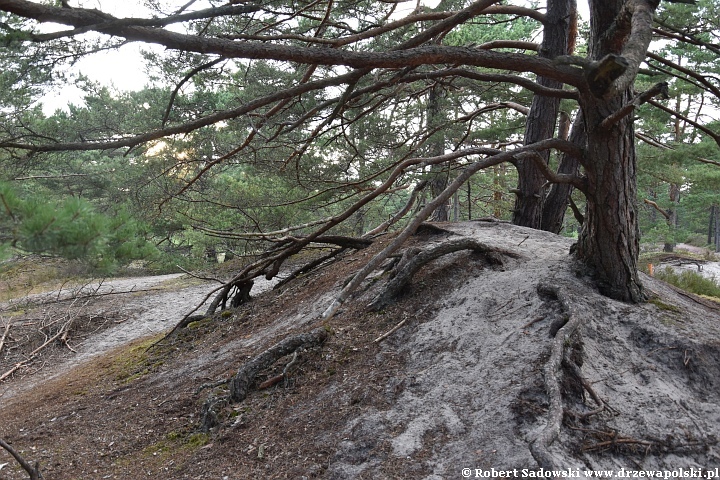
[[690, 281], [71, 228]]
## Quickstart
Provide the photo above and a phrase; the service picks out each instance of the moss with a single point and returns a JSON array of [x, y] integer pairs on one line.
[[135, 361], [197, 440], [664, 306]]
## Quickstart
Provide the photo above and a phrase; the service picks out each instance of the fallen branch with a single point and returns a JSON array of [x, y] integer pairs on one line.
[[283, 376], [392, 330], [33, 472], [617, 441], [61, 334], [4, 336], [539, 446]]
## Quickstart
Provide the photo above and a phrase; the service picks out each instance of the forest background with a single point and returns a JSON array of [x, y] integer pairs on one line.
[[185, 197]]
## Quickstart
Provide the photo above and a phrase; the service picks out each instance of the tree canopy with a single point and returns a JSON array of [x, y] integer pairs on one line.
[[286, 122]]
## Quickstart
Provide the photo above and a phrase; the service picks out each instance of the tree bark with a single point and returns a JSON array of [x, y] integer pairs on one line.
[[557, 200], [609, 240], [672, 221], [717, 230], [541, 120], [711, 237], [439, 179]]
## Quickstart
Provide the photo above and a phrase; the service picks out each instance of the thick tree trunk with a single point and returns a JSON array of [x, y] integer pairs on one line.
[[556, 203], [609, 240], [542, 118]]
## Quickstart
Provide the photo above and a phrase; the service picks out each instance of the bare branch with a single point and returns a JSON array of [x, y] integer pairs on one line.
[[509, 44], [664, 213], [575, 181], [636, 46], [672, 112], [401, 213], [655, 143], [183, 81], [694, 75], [430, 207], [659, 89]]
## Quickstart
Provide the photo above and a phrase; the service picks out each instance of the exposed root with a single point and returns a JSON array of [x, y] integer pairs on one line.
[[237, 292], [241, 382], [414, 259], [539, 446], [243, 379], [33, 472], [601, 405]]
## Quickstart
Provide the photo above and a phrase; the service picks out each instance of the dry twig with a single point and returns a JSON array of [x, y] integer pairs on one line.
[[33, 472]]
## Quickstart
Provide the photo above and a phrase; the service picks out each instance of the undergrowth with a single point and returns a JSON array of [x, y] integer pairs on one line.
[[690, 281]]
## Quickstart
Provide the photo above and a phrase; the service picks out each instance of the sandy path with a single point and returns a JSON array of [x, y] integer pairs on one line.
[[149, 313]]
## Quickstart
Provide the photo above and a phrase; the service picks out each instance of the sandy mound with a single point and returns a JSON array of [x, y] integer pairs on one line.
[[466, 382]]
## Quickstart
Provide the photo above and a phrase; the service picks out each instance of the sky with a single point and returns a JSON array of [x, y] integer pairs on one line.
[[124, 69]]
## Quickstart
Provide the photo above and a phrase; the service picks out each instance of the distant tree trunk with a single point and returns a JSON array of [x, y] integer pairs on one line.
[[672, 220], [439, 179], [456, 207], [469, 200], [674, 187], [717, 230], [541, 120], [711, 237], [609, 240], [556, 203], [499, 186]]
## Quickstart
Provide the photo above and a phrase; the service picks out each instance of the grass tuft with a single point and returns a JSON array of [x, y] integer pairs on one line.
[[690, 281]]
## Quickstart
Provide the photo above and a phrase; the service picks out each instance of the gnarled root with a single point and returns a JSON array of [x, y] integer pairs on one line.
[[414, 259], [539, 446], [241, 382]]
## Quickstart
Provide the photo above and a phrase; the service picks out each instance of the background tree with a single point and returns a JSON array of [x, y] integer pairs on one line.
[[269, 87]]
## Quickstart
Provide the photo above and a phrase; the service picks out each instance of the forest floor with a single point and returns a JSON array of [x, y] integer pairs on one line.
[[462, 383]]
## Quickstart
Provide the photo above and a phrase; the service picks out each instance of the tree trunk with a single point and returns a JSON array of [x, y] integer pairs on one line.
[[543, 114], [717, 230], [609, 240], [499, 186], [711, 237], [439, 180], [556, 203], [672, 220]]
